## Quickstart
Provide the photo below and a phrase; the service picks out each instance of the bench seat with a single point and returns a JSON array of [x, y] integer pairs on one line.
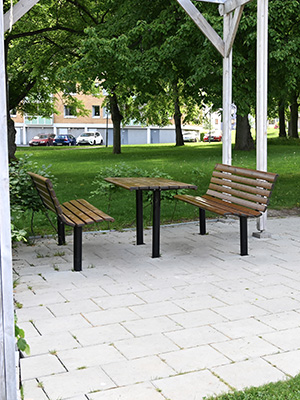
[[237, 191], [75, 213]]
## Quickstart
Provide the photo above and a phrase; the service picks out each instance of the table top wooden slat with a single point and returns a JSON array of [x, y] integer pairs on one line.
[[139, 183]]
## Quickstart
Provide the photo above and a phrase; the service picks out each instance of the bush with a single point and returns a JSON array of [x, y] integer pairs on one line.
[[23, 195]]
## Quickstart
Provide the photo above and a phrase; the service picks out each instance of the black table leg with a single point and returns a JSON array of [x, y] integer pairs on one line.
[[139, 217], [156, 224]]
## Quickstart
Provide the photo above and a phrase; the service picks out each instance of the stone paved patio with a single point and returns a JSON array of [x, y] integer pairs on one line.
[[198, 321]]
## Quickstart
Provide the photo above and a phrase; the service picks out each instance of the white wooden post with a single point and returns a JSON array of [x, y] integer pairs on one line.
[[261, 93], [8, 388], [227, 96]]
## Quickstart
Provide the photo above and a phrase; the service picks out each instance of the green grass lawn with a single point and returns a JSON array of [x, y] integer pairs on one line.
[[286, 390], [76, 167]]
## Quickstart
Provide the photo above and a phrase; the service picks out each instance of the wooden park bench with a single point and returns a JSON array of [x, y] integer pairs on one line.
[[234, 191], [75, 213]]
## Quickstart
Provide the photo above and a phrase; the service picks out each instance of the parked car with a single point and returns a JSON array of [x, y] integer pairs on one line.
[[64, 140], [212, 137], [90, 138], [191, 136], [44, 139]]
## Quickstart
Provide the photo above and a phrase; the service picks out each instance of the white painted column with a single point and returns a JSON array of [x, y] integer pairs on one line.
[[8, 389], [262, 94], [227, 97], [148, 135]]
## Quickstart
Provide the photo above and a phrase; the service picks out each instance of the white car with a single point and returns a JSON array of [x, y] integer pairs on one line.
[[90, 138], [191, 136]]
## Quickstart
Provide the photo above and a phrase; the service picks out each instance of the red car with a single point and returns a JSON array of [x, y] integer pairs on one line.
[[212, 137], [44, 139]]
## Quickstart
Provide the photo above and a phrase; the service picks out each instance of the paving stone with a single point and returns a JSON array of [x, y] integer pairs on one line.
[[151, 325], [153, 310], [248, 347], [195, 358], [192, 337], [287, 339], [50, 343], [74, 383], [122, 300], [61, 324], [40, 366], [240, 311], [32, 391], [242, 328], [195, 385], [88, 292], [138, 370], [141, 391], [248, 373], [112, 316], [197, 318], [33, 313], [74, 307], [198, 303], [282, 320], [89, 356], [102, 334], [145, 346], [288, 362]]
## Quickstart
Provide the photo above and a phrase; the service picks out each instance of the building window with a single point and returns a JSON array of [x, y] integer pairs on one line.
[[69, 112], [96, 111]]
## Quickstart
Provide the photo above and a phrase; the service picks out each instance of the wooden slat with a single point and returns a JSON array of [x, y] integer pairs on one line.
[[73, 218], [241, 179], [238, 194], [246, 188], [252, 173], [139, 183], [86, 210], [101, 214], [86, 219], [245, 203], [236, 209]]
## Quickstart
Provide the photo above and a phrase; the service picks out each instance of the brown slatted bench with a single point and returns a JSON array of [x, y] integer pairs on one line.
[[234, 191], [75, 213]]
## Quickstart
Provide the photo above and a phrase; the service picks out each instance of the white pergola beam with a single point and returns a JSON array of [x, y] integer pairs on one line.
[[229, 40], [231, 5], [21, 8], [203, 25]]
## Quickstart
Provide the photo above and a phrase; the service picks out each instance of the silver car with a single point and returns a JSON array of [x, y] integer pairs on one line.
[[90, 138]]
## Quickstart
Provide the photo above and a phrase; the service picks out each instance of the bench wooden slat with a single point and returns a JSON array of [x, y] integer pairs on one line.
[[246, 203], [241, 179], [238, 194], [235, 209], [252, 173], [239, 186], [100, 213]]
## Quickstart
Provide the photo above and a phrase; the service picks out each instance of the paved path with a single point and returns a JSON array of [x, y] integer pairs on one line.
[[198, 321]]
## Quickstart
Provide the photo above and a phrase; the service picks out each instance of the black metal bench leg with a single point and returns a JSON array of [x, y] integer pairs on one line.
[[61, 232], [77, 248], [243, 236], [156, 224], [202, 222], [139, 217]]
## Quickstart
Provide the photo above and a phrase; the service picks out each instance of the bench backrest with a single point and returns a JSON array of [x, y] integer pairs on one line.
[[242, 186], [47, 194]]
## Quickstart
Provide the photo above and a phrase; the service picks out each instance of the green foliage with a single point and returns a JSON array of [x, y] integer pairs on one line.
[[20, 338], [23, 195]]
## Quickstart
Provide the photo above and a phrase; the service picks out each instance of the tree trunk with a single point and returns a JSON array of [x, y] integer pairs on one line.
[[293, 123], [243, 138], [177, 117], [281, 114], [11, 140], [116, 117]]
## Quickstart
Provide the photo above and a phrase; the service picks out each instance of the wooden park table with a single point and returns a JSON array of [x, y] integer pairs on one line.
[[156, 185]]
